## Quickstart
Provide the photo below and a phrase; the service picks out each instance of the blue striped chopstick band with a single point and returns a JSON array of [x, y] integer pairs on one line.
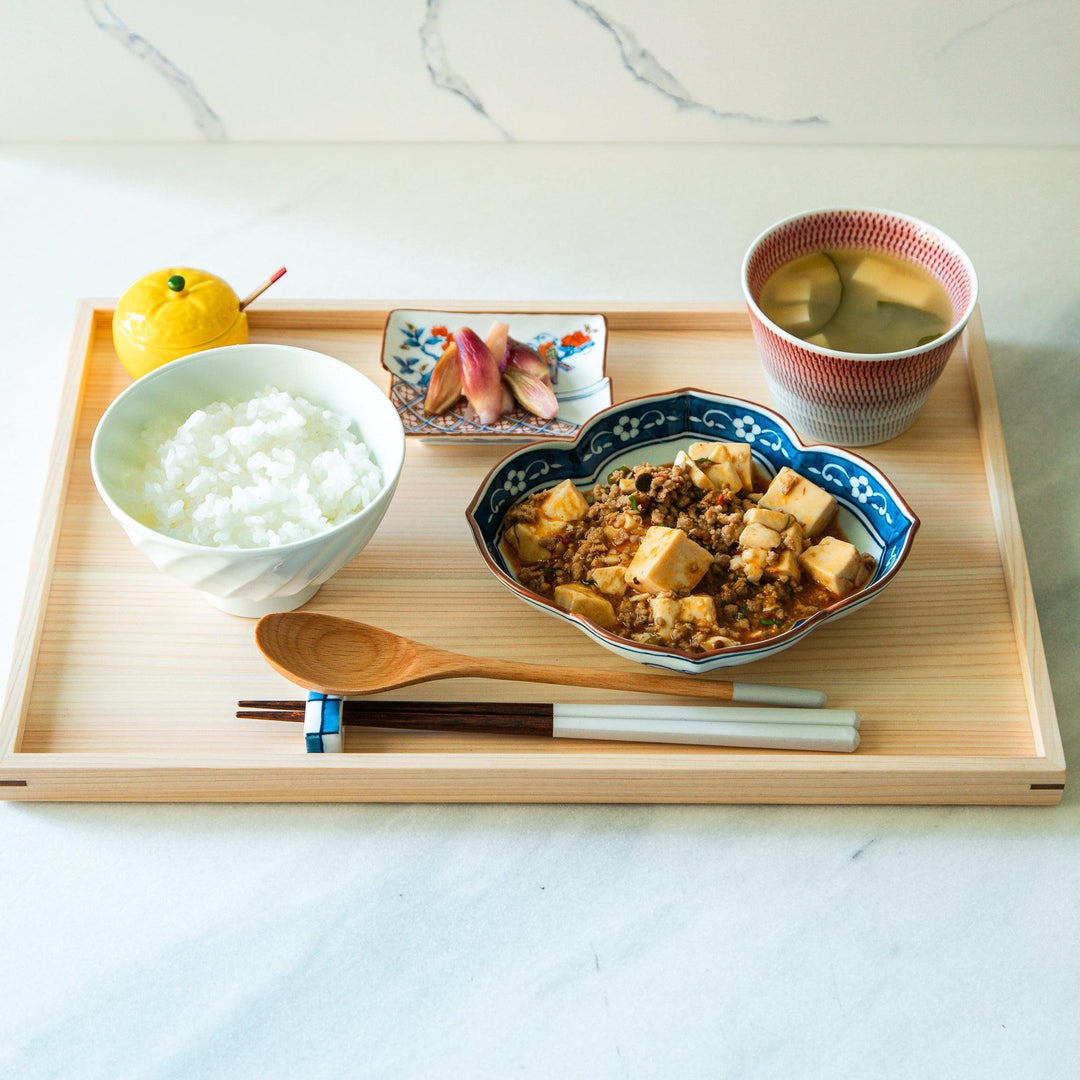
[[322, 724]]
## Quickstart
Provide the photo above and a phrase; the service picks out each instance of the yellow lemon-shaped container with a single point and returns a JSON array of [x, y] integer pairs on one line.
[[173, 312]]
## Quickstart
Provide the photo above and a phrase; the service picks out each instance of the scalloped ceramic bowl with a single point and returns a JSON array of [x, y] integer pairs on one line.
[[873, 515], [247, 581]]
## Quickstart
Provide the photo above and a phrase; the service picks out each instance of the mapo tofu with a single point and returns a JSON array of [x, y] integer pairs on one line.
[[692, 554]]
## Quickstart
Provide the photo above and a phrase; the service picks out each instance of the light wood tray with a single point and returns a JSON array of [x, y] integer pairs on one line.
[[124, 683]]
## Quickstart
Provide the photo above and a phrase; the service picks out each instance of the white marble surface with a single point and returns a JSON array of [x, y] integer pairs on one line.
[[402, 941], [970, 71]]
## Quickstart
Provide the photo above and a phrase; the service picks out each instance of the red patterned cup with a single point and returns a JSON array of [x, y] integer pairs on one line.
[[854, 399]]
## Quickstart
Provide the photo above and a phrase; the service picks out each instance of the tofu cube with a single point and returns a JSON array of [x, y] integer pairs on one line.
[[784, 566], [667, 560], [759, 536], [834, 563], [610, 580], [665, 613], [527, 539], [725, 476], [725, 458], [725, 463], [739, 452], [582, 600], [812, 507], [698, 609], [564, 503], [771, 519], [873, 273], [793, 538], [699, 450], [794, 318], [893, 286], [700, 479]]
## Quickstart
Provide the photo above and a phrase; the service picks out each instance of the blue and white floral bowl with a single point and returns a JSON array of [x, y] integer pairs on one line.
[[873, 515], [574, 345]]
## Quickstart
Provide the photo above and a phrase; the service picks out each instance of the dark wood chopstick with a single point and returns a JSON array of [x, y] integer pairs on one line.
[[493, 717]]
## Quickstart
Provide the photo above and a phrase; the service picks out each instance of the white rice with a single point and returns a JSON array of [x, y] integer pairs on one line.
[[255, 473]]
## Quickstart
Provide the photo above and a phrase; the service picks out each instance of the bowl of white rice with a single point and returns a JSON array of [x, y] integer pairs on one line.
[[251, 473]]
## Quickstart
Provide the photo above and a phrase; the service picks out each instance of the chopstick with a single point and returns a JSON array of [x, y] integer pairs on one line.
[[498, 718], [768, 728]]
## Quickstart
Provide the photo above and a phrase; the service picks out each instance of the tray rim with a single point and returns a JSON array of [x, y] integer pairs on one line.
[[515, 777]]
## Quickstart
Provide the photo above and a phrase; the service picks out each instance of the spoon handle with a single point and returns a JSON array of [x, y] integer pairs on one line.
[[641, 682]]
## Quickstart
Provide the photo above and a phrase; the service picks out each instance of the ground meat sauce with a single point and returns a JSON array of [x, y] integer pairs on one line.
[[620, 512]]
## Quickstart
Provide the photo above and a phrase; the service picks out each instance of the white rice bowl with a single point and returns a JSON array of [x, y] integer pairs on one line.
[[262, 472]]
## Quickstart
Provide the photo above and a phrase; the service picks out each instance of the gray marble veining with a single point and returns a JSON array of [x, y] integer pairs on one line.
[[638, 61], [108, 22], [443, 74], [580, 71], [647, 69], [980, 24]]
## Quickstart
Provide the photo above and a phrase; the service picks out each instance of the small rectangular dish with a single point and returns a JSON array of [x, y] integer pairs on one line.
[[574, 345]]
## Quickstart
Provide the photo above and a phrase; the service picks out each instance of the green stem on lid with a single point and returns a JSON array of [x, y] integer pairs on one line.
[[176, 283]]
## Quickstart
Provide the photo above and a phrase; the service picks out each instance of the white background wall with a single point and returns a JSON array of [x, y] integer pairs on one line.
[[920, 71]]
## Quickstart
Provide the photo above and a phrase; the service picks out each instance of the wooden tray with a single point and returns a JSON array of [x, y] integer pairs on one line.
[[124, 683]]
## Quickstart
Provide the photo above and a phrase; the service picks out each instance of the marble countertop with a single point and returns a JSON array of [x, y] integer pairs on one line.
[[475, 941]]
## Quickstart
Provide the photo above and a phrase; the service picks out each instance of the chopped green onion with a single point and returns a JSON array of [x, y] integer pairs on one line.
[[633, 502], [768, 622], [704, 461]]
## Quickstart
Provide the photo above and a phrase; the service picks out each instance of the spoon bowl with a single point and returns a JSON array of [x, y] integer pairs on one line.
[[339, 656]]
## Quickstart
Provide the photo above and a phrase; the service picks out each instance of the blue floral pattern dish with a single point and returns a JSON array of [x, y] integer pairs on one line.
[[575, 347], [873, 514]]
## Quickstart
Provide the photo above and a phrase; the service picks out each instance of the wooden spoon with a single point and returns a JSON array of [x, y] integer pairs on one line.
[[352, 659]]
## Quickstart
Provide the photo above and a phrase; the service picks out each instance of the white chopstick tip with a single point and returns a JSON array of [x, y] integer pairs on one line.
[[757, 694]]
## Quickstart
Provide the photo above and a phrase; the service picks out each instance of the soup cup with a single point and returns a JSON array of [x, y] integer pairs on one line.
[[854, 399]]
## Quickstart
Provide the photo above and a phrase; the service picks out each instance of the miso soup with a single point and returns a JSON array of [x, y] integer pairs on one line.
[[857, 301]]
